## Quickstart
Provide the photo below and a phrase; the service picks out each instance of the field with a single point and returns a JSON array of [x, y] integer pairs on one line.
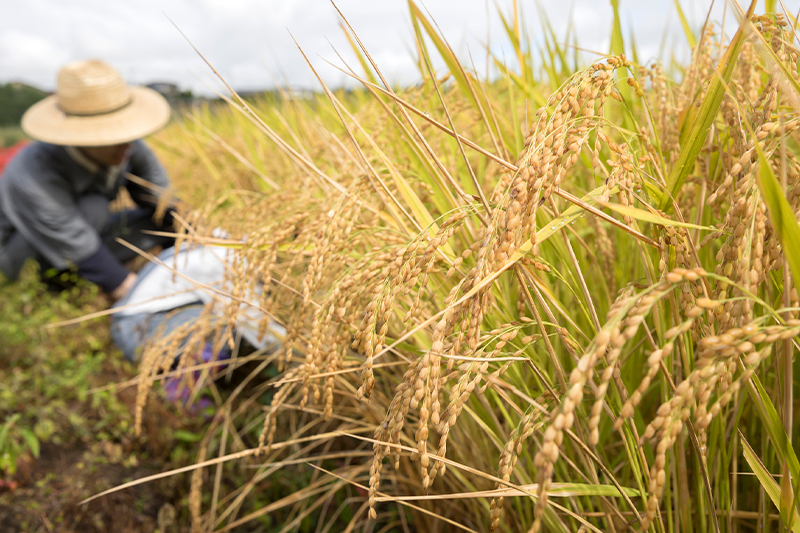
[[560, 299], [65, 434]]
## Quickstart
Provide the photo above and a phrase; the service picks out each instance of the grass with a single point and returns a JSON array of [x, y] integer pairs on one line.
[[558, 300], [67, 406], [61, 440]]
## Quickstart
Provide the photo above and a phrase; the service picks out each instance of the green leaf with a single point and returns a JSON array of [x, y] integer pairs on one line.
[[646, 216], [9, 423], [422, 49], [514, 35], [787, 506], [568, 216], [765, 478], [557, 50], [556, 490], [774, 426], [186, 436], [706, 115], [580, 489], [3, 437], [30, 440], [418, 208], [634, 49], [450, 59], [686, 29], [617, 42], [780, 213], [8, 462], [534, 95]]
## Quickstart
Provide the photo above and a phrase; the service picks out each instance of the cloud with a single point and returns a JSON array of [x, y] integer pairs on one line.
[[30, 53], [249, 41]]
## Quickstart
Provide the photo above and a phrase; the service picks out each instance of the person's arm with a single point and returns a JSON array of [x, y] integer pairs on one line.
[[124, 287], [45, 213], [144, 164], [106, 271]]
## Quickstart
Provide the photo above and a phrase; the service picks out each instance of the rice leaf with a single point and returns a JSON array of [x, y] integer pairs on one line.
[[558, 490], [617, 42], [517, 40], [580, 489], [568, 216], [519, 139], [447, 55], [417, 207], [634, 49], [513, 34], [774, 426], [646, 216], [618, 48], [785, 451], [686, 29], [549, 61], [558, 50], [360, 55], [780, 213], [505, 71], [706, 115], [787, 506], [765, 478]]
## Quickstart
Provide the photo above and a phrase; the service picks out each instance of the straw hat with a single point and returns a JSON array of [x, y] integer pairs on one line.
[[93, 106]]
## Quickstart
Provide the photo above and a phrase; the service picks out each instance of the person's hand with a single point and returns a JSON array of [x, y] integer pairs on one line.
[[124, 287]]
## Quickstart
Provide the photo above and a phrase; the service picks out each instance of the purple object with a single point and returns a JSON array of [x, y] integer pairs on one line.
[[178, 391]]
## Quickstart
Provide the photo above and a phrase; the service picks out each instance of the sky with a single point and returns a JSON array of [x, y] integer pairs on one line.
[[250, 42]]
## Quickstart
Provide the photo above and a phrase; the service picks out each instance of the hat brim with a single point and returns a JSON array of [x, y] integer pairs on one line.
[[146, 113]]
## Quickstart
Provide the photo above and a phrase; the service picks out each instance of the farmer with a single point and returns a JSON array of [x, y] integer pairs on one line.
[[55, 194]]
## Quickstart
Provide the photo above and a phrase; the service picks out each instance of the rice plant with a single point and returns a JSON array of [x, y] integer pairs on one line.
[[558, 300]]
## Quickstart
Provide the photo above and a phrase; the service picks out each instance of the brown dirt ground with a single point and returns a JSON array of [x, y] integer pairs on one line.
[[50, 488]]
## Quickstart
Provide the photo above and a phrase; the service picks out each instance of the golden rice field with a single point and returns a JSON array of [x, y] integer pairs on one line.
[[562, 299]]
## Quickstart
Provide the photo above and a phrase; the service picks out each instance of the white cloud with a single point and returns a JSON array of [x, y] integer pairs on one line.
[[248, 41], [26, 52]]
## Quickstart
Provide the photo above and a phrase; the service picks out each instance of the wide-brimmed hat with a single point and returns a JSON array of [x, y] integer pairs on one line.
[[93, 106]]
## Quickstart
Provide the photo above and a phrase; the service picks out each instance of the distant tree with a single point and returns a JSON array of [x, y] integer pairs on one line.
[[15, 98]]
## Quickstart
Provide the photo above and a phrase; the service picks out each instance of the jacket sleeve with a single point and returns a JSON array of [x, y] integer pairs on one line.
[[145, 165], [50, 220], [47, 215], [103, 269]]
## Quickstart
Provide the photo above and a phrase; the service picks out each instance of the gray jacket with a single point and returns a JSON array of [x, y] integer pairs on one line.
[[40, 190]]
